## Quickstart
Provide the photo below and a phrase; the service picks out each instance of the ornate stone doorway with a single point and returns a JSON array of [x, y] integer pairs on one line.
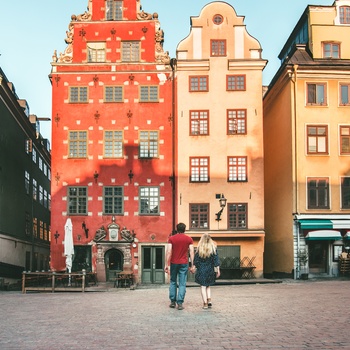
[[110, 257], [114, 263]]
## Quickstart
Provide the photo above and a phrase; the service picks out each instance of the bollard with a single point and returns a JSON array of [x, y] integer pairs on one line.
[[53, 281], [83, 281]]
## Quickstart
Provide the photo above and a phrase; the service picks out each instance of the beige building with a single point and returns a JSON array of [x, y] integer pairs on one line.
[[307, 147], [219, 137]]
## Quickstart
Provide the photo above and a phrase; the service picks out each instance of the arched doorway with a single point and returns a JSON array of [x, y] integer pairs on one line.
[[114, 262]]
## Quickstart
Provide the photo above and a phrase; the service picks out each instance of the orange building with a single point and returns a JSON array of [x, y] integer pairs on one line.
[[219, 141], [112, 162], [306, 141]]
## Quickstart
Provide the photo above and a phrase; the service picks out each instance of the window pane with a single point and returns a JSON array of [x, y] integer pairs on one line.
[[149, 200], [113, 200], [237, 216], [130, 51], [199, 214], [345, 190], [344, 91], [77, 200], [113, 94]]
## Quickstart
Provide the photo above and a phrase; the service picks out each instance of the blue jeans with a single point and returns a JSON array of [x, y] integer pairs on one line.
[[178, 270]]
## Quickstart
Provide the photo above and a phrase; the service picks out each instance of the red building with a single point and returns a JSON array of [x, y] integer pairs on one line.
[[112, 135]]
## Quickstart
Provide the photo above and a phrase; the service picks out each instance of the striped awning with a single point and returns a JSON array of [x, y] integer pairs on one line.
[[323, 235], [309, 224], [324, 224]]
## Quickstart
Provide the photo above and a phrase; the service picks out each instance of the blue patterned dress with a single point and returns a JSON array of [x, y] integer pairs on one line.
[[205, 274]]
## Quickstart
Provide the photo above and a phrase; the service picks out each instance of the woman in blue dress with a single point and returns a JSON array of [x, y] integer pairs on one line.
[[206, 264]]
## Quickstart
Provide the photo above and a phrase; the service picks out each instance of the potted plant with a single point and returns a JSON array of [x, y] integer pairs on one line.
[[303, 259]]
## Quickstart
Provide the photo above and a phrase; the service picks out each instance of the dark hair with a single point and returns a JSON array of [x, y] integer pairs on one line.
[[181, 227]]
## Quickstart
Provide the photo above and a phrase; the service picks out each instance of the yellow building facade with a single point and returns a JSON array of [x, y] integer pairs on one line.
[[306, 142], [219, 137]]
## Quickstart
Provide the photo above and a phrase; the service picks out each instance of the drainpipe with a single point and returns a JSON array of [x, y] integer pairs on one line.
[[295, 174], [173, 65]]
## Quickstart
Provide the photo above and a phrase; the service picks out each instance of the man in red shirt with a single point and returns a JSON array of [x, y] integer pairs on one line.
[[177, 259]]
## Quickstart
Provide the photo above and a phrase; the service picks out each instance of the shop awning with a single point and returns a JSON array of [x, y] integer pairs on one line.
[[347, 236], [323, 235], [309, 224], [338, 224]]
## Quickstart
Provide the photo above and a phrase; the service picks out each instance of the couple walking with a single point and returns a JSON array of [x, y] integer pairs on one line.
[[205, 264]]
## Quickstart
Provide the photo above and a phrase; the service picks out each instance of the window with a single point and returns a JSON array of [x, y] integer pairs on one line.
[[130, 51], [344, 94], [318, 193], [148, 147], [316, 94], [45, 199], [114, 94], [41, 229], [237, 169], [77, 144], [77, 200], [317, 139], [41, 195], [34, 155], [35, 227], [218, 19], [345, 193], [218, 47], [113, 144], [199, 123], [35, 189], [237, 215], [199, 216], [96, 52], [46, 236], [344, 14], [113, 200], [27, 224], [78, 94], [345, 140], [114, 10], [26, 181], [149, 200], [235, 83], [199, 169], [331, 50], [199, 83], [149, 94], [40, 163], [236, 121]]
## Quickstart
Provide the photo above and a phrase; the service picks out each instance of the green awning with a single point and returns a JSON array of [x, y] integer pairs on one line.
[[323, 235], [315, 224]]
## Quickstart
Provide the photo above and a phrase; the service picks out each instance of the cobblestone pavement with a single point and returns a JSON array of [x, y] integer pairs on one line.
[[287, 315]]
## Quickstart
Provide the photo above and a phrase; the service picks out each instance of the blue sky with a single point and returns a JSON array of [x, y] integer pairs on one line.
[[30, 31]]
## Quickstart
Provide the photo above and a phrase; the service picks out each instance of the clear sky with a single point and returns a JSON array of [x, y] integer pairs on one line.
[[30, 31]]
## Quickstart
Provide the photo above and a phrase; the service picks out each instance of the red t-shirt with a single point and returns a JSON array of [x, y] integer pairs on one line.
[[180, 243]]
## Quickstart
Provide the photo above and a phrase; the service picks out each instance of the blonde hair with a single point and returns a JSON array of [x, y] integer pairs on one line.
[[206, 246]]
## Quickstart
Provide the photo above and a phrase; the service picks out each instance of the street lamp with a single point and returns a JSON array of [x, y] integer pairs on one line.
[[222, 201]]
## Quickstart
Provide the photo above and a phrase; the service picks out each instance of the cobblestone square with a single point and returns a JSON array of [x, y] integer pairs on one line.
[[288, 315]]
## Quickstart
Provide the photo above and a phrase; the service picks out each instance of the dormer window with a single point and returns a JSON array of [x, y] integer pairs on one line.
[[114, 10], [331, 50], [344, 14]]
